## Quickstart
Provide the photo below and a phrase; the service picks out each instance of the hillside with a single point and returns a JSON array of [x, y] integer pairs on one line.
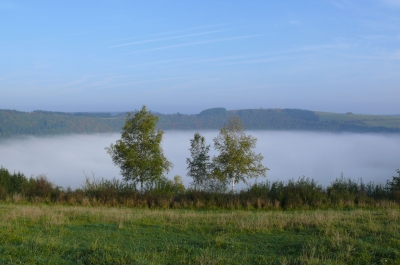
[[14, 122]]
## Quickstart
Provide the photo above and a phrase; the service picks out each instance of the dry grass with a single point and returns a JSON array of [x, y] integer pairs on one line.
[[243, 220]]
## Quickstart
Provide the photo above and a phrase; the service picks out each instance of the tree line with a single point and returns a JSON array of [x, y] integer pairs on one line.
[[35, 123], [45, 122]]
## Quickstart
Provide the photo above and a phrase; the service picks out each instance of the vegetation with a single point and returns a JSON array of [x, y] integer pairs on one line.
[[236, 161], [110, 222], [141, 159], [199, 166], [42, 234], [351, 222], [139, 153], [300, 194], [44, 123]]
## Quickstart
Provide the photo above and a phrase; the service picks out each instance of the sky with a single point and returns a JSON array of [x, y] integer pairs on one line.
[[187, 56]]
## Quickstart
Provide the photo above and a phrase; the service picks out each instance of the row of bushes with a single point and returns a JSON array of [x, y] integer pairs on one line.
[[303, 193], [17, 183]]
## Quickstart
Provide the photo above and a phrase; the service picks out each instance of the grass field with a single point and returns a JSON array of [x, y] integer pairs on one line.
[[371, 120], [42, 234]]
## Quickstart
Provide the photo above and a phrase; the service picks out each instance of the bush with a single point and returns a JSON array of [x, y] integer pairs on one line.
[[166, 186], [11, 183], [342, 191], [303, 192], [292, 194], [41, 187]]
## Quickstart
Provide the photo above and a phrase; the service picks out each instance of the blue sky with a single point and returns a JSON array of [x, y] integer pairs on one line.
[[187, 56]]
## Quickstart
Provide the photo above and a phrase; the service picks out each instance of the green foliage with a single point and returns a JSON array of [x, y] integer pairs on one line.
[[11, 183], [139, 153], [40, 187], [394, 186], [105, 190], [213, 112], [303, 192], [199, 166], [165, 186], [292, 194], [45, 122], [236, 161], [163, 193], [17, 183], [342, 190]]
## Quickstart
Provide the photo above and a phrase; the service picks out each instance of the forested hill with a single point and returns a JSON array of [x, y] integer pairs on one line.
[[14, 122]]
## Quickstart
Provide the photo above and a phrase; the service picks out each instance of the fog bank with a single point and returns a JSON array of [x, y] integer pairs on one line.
[[322, 156]]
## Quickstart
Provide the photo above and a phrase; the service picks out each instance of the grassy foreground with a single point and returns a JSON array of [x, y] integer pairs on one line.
[[56, 234]]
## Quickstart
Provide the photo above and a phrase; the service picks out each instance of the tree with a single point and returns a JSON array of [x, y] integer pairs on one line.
[[138, 153], [394, 185], [236, 161], [199, 165]]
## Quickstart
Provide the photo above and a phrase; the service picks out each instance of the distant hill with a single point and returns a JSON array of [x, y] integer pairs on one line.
[[14, 122]]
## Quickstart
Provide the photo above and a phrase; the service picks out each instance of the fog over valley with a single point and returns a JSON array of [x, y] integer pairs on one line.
[[65, 160]]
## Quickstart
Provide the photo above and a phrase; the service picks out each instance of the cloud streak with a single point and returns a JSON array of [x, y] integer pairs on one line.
[[198, 43], [172, 32], [169, 38]]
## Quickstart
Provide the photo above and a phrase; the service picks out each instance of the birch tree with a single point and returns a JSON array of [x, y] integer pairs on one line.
[[139, 153], [199, 165], [236, 160]]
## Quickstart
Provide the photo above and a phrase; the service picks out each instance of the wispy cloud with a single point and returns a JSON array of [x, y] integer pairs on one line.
[[260, 60], [197, 43], [84, 32], [264, 57], [395, 55], [231, 60], [115, 85], [187, 85], [170, 38], [150, 63], [376, 37], [173, 32], [338, 45], [144, 81], [218, 59]]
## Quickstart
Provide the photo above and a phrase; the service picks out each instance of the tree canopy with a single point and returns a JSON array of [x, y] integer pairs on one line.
[[139, 153], [199, 165], [236, 160]]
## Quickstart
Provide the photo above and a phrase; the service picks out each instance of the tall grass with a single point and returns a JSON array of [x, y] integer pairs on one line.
[[303, 193]]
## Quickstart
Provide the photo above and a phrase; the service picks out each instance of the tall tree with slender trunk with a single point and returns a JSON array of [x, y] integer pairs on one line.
[[199, 165], [236, 160], [139, 153]]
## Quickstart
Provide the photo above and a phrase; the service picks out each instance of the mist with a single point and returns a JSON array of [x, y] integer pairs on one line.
[[66, 160]]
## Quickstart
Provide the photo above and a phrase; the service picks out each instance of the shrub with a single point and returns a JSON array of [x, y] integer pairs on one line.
[[11, 183]]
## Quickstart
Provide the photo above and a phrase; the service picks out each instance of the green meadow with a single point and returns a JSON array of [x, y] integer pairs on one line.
[[388, 121], [60, 234]]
